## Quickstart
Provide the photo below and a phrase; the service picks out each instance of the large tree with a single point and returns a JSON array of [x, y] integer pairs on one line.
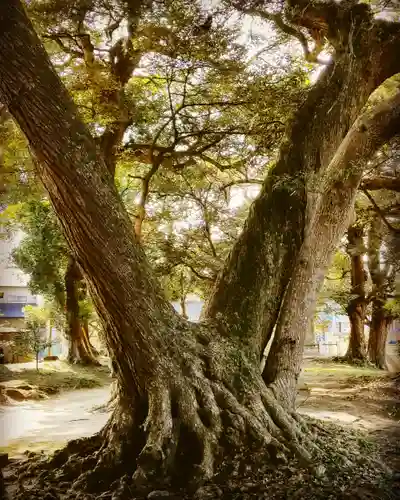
[[196, 390]]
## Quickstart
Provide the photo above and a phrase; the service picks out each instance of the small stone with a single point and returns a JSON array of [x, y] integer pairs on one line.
[[320, 471], [208, 492], [156, 494]]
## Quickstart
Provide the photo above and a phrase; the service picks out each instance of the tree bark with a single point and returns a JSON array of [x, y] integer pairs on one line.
[[380, 325], [380, 269], [357, 306], [249, 290], [383, 182], [80, 349], [187, 393]]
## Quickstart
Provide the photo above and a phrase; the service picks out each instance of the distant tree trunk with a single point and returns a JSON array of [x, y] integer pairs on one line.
[[381, 273], [356, 309], [190, 393], [381, 322], [183, 307], [50, 338], [79, 347]]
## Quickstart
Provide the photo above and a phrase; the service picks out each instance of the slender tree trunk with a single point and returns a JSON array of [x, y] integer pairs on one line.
[[79, 348], [183, 307], [50, 338], [356, 309]]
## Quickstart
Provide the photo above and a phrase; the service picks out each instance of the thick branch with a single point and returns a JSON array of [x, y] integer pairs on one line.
[[250, 288], [380, 212], [329, 220], [383, 182]]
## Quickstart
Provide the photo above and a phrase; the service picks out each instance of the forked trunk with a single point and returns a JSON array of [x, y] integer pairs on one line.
[[356, 309], [184, 390], [336, 194], [80, 349]]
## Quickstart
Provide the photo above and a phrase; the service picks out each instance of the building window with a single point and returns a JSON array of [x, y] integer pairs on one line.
[[1, 295], [17, 299]]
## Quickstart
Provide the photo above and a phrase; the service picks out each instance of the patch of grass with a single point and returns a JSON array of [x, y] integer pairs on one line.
[[55, 376], [17, 449], [326, 370]]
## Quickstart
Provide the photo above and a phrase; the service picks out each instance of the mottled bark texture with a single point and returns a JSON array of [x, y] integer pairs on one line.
[[250, 289], [357, 306], [80, 350], [183, 389], [382, 276], [189, 392], [332, 206]]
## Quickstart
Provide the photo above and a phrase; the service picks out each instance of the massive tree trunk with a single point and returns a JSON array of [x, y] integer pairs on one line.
[[249, 291], [187, 393], [80, 349], [381, 270], [357, 306], [181, 387]]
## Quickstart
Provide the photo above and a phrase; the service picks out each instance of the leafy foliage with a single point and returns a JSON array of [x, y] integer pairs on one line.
[[180, 106], [43, 253], [33, 339]]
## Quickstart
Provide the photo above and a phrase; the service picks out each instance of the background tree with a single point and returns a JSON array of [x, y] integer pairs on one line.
[[33, 340], [43, 255]]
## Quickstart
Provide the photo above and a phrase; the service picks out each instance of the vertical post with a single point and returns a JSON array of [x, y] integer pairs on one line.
[[50, 338]]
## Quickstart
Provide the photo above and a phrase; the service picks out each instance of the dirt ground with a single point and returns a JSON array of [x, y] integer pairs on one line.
[[354, 410], [370, 397]]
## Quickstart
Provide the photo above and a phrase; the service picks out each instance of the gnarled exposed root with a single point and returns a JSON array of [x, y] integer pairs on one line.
[[193, 416]]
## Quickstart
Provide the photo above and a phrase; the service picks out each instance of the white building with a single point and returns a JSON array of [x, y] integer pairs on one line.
[[14, 291]]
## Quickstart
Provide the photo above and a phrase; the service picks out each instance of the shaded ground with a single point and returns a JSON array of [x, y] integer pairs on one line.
[[21, 382], [360, 407], [361, 397]]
